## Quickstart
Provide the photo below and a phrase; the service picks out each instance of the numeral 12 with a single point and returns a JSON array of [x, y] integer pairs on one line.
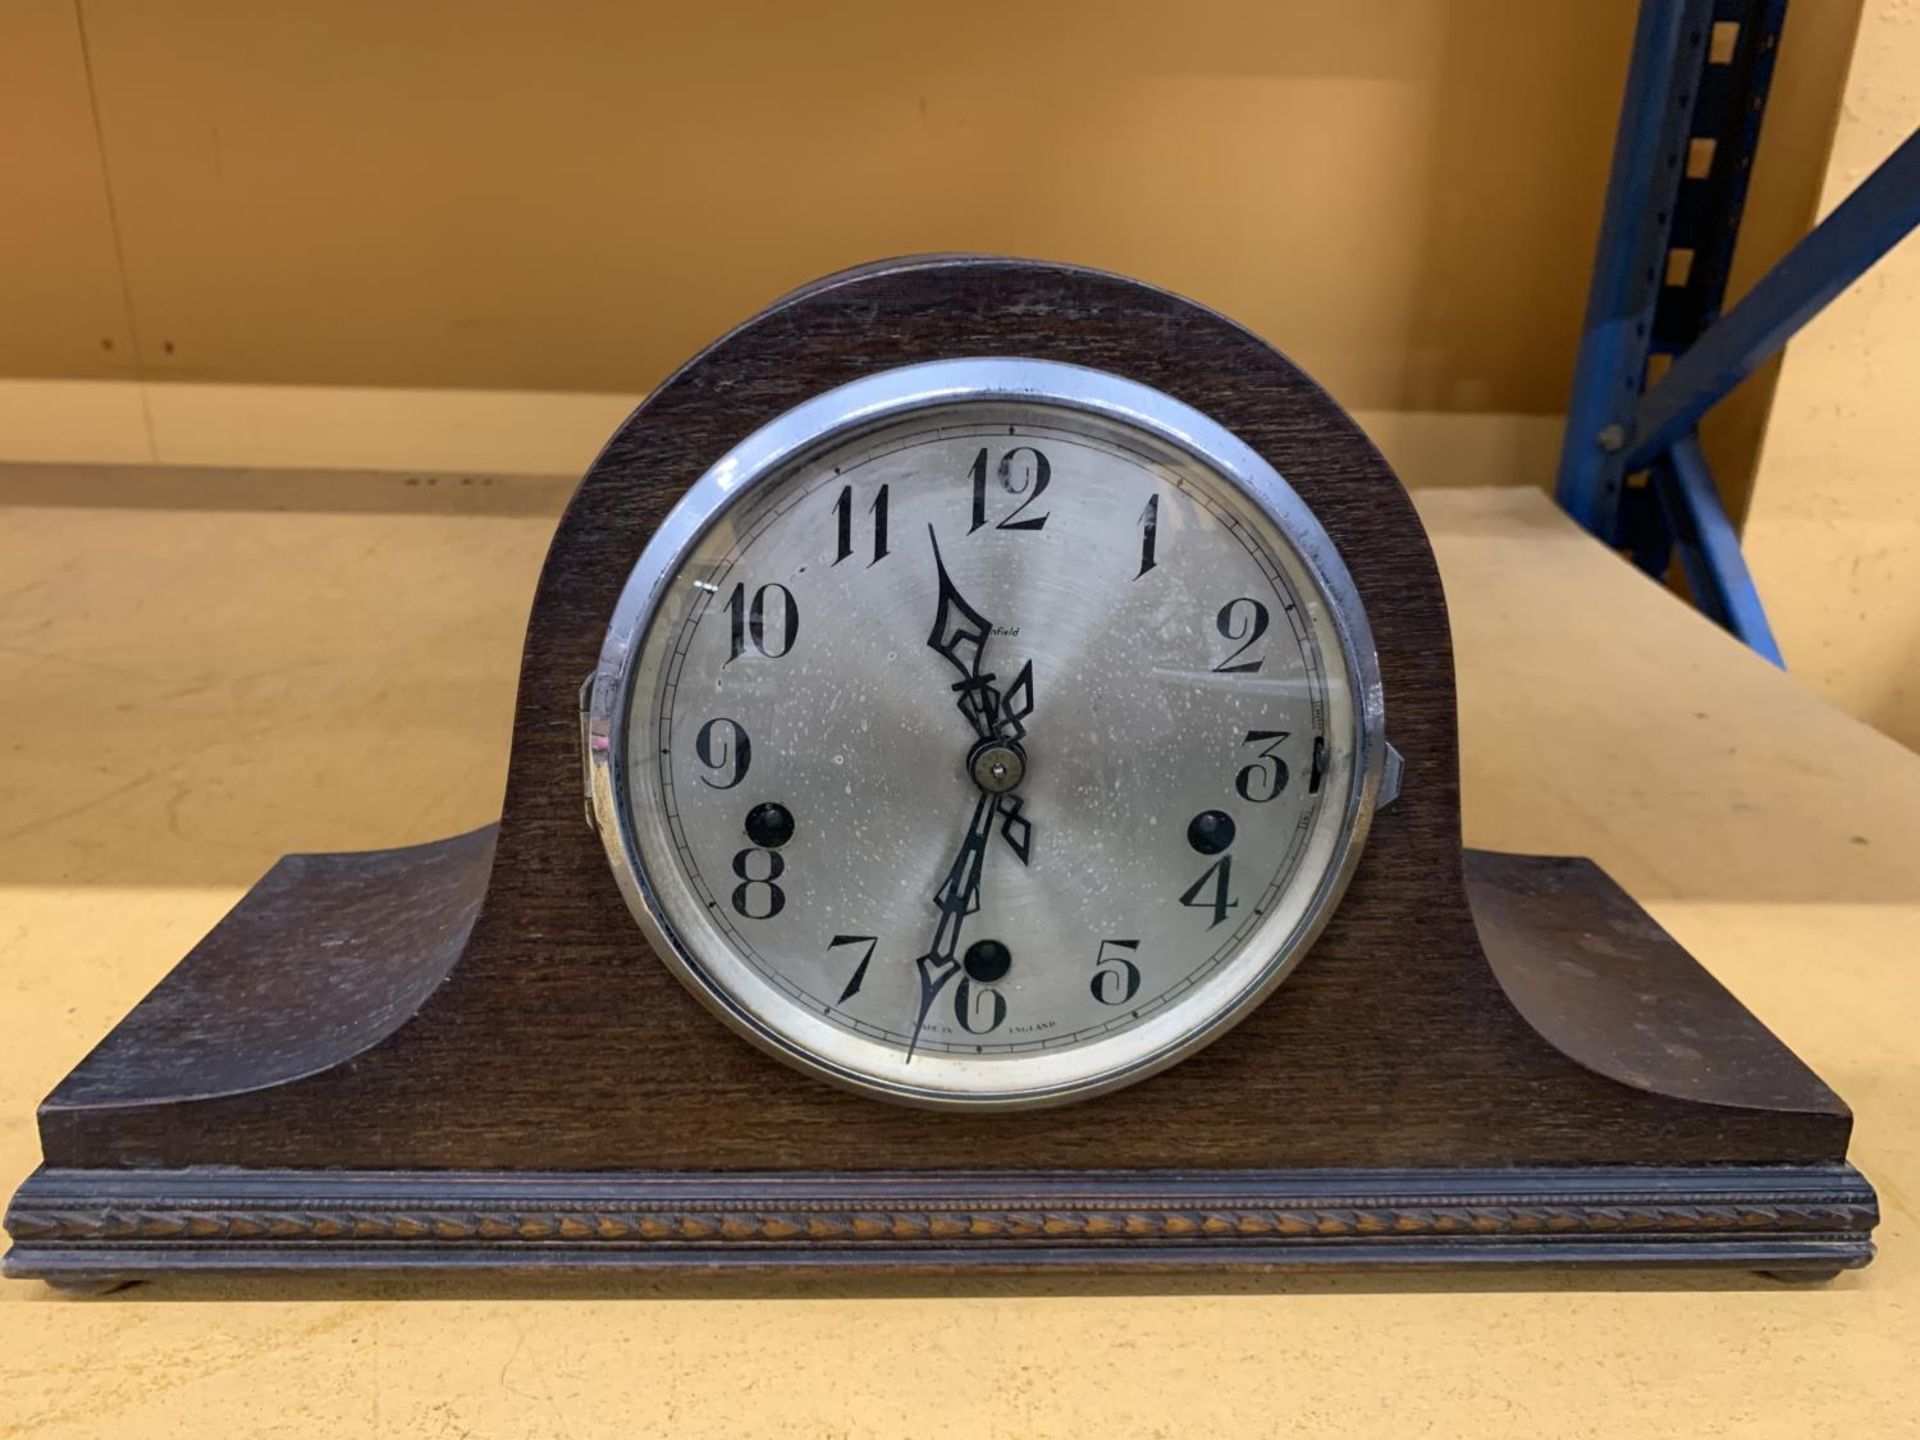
[[1032, 483]]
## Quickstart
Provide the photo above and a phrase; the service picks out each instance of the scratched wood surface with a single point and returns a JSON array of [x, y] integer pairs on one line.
[[200, 673]]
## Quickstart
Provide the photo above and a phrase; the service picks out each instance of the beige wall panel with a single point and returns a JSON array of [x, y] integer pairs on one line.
[[573, 196], [1834, 532], [542, 432], [62, 310], [1402, 193]]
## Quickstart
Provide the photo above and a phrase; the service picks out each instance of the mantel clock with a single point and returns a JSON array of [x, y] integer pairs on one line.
[[984, 791]]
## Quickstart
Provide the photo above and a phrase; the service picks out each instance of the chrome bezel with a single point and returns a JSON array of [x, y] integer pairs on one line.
[[772, 452]]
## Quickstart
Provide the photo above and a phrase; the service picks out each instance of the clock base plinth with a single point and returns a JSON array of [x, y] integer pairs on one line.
[[79, 1228], [1580, 962]]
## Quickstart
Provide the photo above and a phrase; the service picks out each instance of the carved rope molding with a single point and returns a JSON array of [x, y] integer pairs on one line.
[[835, 1224]]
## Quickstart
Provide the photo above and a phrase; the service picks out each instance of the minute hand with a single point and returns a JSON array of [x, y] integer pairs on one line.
[[957, 898]]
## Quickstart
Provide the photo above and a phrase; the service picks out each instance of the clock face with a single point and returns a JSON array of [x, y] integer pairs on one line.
[[986, 733]]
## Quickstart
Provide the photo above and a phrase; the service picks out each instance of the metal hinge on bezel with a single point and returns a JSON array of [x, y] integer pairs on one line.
[[1390, 778], [586, 753]]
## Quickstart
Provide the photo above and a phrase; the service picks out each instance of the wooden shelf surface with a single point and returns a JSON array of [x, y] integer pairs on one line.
[[202, 671]]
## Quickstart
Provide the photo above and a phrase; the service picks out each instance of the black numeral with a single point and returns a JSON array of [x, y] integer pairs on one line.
[[1244, 620], [749, 622], [722, 744], [866, 959], [744, 894], [969, 1003], [1263, 779], [843, 511], [1149, 534], [1116, 979], [1017, 477], [1219, 876]]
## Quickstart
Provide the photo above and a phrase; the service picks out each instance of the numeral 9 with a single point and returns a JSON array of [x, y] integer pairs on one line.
[[722, 744]]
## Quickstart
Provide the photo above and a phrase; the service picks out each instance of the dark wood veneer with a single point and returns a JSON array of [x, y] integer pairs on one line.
[[488, 1005]]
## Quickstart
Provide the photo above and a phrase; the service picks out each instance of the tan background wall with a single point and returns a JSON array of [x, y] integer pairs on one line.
[[572, 196], [1834, 533]]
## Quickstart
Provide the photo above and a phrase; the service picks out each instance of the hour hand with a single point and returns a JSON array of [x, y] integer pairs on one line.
[[1012, 708], [1015, 828], [992, 714]]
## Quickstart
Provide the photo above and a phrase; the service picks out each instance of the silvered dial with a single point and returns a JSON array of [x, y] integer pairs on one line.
[[986, 733]]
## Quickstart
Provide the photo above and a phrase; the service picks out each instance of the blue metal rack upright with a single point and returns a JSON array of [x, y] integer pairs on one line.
[[1689, 124]]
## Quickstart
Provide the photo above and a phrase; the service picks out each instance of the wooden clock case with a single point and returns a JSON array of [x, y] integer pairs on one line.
[[463, 1054]]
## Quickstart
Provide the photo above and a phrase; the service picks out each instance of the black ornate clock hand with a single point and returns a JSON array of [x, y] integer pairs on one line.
[[959, 635], [957, 898], [1012, 708]]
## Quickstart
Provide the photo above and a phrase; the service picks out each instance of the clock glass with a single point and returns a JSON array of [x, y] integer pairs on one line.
[[986, 733]]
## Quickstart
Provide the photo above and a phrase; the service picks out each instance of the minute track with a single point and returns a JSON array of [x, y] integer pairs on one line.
[[1234, 933], [968, 622]]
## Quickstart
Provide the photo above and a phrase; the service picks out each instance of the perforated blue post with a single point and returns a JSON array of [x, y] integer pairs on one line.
[[1689, 126], [1669, 50]]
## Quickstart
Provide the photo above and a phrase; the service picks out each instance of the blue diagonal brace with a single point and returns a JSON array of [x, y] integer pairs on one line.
[[1709, 550], [1862, 228]]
